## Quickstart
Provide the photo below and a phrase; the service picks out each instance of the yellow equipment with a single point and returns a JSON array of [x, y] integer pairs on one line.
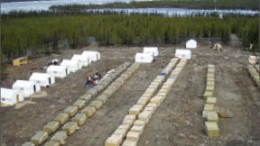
[[217, 47], [20, 61]]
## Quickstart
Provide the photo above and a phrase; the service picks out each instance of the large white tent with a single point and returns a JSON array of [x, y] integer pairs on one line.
[[72, 65], [85, 61], [92, 55], [58, 71], [143, 58], [10, 96], [183, 53], [154, 51], [191, 44], [43, 79], [27, 87]]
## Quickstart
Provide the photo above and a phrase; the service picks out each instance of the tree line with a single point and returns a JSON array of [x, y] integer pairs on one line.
[[193, 4], [36, 33]]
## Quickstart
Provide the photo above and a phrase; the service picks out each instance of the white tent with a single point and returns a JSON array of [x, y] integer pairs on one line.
[[58, 71], [43, 79], [182, 53], [72, 65], [143, 58], [10, 96], [191, 44], [27, 87], [151, 50], [92, 55], [85, 61]]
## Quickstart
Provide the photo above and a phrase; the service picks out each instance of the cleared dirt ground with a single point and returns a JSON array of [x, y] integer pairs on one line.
[[177, 122]]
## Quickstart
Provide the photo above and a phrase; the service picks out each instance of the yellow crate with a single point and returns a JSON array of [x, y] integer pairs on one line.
[[207, 94], [163, 90], [80, 119], [163, 94], [124, 126], [139, 123], [79, 103], [138, 129], [60, 137], [85, 97], [89, 111], [212, 116], [210, 88], [145, 116], [136, 109], [132, 135], [102, 97], [129, 143], [157, 100], [70, 127], [210, 79], [211, 83], [120, 131], [212, 100], [209, 107], [97, 104], [149, 95], [146, 98], [61, 118], [51, 127], [142, 102], [71, 110], [39, 137], [212, 129], [153, 105], [114, 140], [52, 143], [129, 119], [28, 144]]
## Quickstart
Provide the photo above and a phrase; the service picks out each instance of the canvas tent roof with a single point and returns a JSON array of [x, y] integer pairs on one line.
[[78, 57], [27, 87], [67, 62], [151, 50], [93, 55], [83, 59], [23, 83], [72, 65], [56, 68], [40, 75], [58, 71], [143, 58], [183, 53], [191, 44], [43, 79], [9, 96]]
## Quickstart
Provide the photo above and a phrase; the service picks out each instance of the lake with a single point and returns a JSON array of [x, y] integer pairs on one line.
[[44, 5], [173, 11]]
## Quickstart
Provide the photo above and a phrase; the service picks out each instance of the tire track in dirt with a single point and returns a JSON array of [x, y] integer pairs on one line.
[[178, 113], [250, 100]]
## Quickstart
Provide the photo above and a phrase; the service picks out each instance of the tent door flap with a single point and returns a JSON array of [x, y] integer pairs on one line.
[[49, 80], [34, 88], [17, 98]]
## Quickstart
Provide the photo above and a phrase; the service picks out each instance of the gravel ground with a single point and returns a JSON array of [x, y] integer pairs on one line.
[[178, 121]]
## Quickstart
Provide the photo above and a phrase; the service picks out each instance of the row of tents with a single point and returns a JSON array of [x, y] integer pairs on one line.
[[22, 89], [149, 53], [147, 56]]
